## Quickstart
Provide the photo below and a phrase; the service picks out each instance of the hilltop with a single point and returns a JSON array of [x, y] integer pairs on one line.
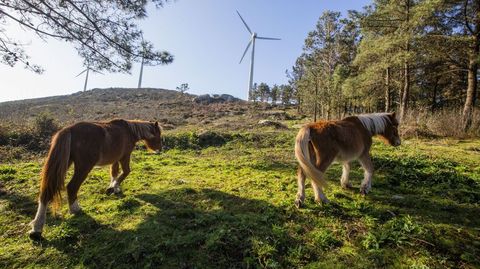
[[172, 108]]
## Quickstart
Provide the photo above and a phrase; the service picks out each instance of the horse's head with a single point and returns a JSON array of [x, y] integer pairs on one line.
[[390, 133], [154, 140]]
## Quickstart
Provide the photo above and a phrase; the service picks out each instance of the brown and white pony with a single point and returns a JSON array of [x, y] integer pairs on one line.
[[87, 144], [320, 143]]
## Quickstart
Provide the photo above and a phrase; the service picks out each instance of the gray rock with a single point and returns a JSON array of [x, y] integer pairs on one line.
[[275, 124]]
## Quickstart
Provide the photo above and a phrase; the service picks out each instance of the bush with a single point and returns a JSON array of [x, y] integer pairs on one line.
[[443, 123], [44, 125]]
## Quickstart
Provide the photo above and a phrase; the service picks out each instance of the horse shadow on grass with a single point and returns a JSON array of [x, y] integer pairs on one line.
[[181, 228]]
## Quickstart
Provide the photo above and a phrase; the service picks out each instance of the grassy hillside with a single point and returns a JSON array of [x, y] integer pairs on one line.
[[232, 207], [167, 106], [221, 196]]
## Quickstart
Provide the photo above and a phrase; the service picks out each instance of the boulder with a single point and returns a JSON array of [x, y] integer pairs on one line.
[[275, 124], [209, 99]]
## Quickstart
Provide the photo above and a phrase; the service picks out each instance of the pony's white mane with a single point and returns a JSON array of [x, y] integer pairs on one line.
[[141, 129], [375, 122]]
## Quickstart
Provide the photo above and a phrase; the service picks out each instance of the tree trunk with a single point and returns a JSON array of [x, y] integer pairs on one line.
[[434, 97], [387, 90], [471, 91], [315, 102], [406, 86], [472, 69], [406, 91]]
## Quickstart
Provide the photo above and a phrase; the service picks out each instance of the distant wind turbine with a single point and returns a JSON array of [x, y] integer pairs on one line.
[[252, 42], [141, 72], [86, 77]]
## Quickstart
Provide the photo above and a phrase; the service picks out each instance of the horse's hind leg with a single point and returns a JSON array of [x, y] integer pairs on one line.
[[345, 172], [319, 195], [301, 188], [367, 165], [79, 175], [114, 171]]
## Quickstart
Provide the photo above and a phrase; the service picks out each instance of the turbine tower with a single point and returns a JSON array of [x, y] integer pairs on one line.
[[141, 72], [253, 37], [86, 77]]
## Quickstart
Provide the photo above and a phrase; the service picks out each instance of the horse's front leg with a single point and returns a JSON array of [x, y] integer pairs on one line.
[[114, 171], [115, 184], [367, 165]]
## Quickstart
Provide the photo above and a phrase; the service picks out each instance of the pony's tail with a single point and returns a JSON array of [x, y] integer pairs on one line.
[[303, 156], [55, 169]]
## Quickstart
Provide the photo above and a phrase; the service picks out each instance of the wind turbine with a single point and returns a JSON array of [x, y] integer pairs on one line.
[[141, 71], [86, 77], [253, 37], [141, 65]]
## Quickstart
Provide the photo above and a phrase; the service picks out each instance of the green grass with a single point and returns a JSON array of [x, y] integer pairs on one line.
[[232, 207]]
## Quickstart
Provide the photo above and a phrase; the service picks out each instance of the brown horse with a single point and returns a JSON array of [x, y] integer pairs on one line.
[[86, 144], [319, 144]]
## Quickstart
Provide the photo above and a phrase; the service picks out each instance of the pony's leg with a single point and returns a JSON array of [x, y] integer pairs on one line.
[[114, 171], [322, 162], [301, 188], [39, 221], [125, 164], [367, 165], [345, 172], [79, 175], [319, 195]]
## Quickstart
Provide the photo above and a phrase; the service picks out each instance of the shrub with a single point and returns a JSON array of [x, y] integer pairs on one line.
[[44, 125], [444, 123]]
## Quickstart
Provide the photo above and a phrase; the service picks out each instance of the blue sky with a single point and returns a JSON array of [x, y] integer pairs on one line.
[[207, 39]]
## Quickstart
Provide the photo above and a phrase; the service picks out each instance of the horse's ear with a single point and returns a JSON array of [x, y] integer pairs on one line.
[[393, 114], [156, 124]]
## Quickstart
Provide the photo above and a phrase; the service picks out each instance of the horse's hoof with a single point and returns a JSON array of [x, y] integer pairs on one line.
[[110, 191], [347, 186], [35, 236], [298, 203], [322, 202]]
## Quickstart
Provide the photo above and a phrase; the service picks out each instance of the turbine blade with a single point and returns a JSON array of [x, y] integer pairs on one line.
[[245, 52], [81, 72], [248, 28], [267, 38]]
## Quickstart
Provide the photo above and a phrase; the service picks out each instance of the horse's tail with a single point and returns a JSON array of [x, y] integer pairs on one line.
[[55, 169], [303, 156]]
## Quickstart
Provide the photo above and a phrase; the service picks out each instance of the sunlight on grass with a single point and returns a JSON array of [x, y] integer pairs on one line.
[[232, 206]]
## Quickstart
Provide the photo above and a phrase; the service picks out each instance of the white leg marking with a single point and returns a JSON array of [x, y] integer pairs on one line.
[[345, 173], [39, 220], [319, 195], [115, 185], [366, 183]]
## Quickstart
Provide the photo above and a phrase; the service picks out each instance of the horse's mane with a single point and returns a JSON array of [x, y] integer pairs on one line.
[[375, 122], [141, 129]]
